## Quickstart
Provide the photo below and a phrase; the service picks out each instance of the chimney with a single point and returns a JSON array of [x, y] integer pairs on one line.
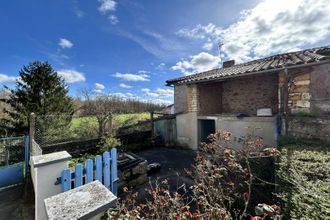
[[228, 63]]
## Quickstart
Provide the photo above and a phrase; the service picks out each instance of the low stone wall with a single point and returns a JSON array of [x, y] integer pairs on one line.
[[309, 127]]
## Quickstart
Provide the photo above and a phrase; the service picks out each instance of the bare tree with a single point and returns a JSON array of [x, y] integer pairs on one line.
[[99, 105], [103, 106]]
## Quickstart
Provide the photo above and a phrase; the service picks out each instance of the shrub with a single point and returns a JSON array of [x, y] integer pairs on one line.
[[222, 189], [305, 182], [109, 142]]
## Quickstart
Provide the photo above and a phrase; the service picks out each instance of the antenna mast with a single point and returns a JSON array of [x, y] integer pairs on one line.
[[219, 48]]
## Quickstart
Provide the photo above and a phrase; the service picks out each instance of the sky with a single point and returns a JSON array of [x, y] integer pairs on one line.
[[130, 48]]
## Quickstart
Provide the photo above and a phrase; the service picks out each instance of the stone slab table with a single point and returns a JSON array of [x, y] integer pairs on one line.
[[85, 202]]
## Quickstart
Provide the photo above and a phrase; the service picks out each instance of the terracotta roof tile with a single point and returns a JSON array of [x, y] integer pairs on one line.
[[314, 55]]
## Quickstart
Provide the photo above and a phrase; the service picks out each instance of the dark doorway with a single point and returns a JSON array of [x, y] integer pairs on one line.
[[206, 127]]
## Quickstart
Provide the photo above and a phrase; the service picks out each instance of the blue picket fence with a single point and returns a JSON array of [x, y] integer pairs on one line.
[[103, 168]]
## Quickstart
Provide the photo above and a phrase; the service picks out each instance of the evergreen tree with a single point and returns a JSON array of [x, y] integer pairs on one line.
[[39, 89]]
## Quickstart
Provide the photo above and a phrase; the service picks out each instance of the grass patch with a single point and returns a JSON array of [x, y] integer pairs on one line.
[[305, 181]]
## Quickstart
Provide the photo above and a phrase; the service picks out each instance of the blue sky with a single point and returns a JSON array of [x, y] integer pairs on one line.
[[131, 48]]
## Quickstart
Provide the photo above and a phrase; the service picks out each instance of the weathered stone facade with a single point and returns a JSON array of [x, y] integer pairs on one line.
[[309, 90], [210, 98], [309, 127], [244, 95], [320, 89], [193, 98], [248, 94], [180, 98], [298, 89]]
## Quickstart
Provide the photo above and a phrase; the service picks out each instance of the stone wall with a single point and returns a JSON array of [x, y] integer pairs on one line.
[[248, 94], [309, 127], [320, 89], [193, 98], [210, 96], [309, 90], [180, 98], [298, 89]]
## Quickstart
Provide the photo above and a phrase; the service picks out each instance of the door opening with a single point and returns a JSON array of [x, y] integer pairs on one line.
[[206, 127]]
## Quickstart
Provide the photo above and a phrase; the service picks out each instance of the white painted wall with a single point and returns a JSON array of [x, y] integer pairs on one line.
[[44, 171], [187, 130], [188, 135], [264, 127]]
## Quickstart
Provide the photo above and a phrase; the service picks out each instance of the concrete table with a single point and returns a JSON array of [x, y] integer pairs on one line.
[[85, 202]]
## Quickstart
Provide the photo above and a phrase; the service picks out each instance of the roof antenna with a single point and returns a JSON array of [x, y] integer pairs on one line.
[[219, 48]]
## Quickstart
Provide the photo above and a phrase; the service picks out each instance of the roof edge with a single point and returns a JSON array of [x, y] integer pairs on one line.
[[169, 83]]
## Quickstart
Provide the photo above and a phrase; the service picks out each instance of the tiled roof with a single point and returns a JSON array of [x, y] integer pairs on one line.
[[275, 62]]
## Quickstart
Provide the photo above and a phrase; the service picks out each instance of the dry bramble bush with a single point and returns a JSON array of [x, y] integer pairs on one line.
[[222, 187]]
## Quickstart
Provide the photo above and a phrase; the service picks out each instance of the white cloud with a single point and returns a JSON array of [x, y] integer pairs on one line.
[[158, 93], [65, 43], [123, 85], [143, 72], [118, 94], [148, 93], [99, 91], [157, 44], [99, 86], [165, 92], [107, 5], [113, 19], [7, 79], [161, 66], [132, 77], [200, 31], [71, 76], [273, 26], [198, 63], [208, 46]]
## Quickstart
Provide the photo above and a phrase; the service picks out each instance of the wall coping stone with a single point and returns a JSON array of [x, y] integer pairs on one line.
[[46, 159], [224, 117], [83, 202]]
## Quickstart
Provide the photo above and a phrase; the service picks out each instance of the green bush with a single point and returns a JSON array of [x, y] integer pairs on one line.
[[109, 142], [305, 182]]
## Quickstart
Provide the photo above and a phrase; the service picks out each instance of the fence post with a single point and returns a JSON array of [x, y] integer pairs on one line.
[[32, 127], [152, 123], [27, 154], [44, 171]]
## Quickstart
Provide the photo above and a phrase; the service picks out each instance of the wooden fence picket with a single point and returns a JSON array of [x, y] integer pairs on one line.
[[98, 171], [78, 174], [104, 169], [114, 177], [89, 171], [66, 180]]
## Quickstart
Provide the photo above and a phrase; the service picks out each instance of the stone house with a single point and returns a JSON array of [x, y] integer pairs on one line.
[[264, 96]]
